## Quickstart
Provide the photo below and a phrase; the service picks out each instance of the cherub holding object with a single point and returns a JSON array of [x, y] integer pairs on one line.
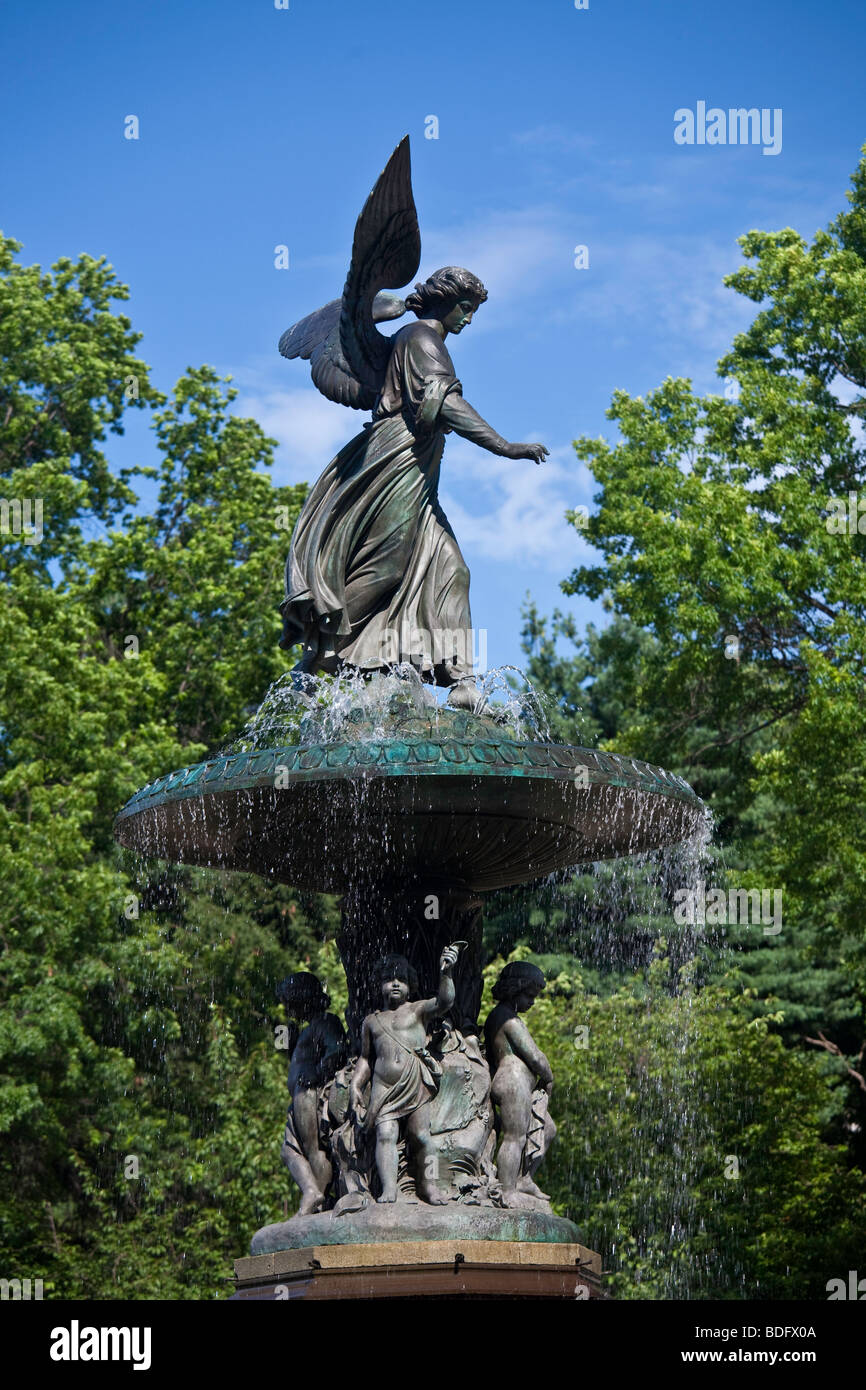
[[405, 1077], [522, 1085], [316, 1053]]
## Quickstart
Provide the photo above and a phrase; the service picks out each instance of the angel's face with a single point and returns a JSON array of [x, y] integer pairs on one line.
[[459, 316]]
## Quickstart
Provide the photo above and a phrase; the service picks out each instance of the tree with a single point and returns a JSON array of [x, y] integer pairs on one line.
[[68, 375], [140, 1088], [690, 1147], [719, 524]]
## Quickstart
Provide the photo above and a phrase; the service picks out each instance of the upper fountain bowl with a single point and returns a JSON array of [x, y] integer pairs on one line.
[[440, 794]]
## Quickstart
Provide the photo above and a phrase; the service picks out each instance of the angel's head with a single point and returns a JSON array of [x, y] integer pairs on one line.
[[450, 295]]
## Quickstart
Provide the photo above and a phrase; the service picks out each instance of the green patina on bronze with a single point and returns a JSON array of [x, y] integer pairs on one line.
[[448, 794], [418, 1222]]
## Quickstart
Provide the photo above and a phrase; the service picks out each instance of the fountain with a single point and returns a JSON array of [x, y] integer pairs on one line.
[[412, 812], [415, 1144]]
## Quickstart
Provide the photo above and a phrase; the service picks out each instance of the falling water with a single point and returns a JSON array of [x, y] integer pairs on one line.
[[310, 709]]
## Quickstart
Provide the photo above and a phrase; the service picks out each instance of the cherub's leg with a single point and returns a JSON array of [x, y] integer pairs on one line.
[[425, 1156], [515, 1110], [311, 1197], [387, 1134], [305, 1107]]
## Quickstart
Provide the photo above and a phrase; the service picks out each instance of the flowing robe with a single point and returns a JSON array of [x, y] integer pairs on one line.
[[418, 1082], [375, 575]]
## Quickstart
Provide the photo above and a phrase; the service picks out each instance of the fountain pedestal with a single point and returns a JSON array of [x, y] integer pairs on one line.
[[440, 1269]]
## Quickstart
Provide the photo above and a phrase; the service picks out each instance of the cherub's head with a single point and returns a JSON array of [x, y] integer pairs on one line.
[[519, 985], [303, 996], [397, 979], [451, 295]]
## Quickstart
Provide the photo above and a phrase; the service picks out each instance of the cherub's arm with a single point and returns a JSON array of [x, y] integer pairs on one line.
[[293, 1033], [362, 1073], [330, 1039], [434, 1008], [523, 1047], [460, 416]]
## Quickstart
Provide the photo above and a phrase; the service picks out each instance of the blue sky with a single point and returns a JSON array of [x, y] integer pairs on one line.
[[261, 127]]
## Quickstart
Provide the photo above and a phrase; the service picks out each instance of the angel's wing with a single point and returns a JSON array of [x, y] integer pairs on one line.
[[347, 354], [302, 339]]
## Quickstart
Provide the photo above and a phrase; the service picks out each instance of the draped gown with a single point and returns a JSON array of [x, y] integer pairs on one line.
[[375, 575]]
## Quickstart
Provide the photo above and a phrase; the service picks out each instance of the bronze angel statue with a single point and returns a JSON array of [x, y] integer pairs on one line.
[[375, 576]]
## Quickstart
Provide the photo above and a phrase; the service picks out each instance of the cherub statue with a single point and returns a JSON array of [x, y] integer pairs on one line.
[[315, 1054], [521, 1087], [375, 576], [405, 1077]]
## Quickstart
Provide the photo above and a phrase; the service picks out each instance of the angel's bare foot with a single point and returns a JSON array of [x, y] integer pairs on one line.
[[388, 1196], [464, 695], [307, 663], [314, 661]]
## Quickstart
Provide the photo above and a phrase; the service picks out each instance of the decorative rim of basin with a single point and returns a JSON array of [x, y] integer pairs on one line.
[[482, 812], [406, 757]]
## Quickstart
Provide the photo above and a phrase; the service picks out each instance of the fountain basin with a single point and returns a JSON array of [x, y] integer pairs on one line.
[[466, 801]]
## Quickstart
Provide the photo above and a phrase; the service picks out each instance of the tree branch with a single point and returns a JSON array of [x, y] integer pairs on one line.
[[836, 1051]]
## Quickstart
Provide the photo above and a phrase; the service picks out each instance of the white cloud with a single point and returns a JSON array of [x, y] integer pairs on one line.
[[506, 510], [673, 284], [517, 509], [554, 136], [310, 429], [509, 251]]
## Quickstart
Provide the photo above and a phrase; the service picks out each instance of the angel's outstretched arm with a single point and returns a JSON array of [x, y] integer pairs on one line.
[[460, 416]]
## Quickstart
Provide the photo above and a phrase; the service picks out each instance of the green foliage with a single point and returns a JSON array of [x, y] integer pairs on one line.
[[68, 375], [718, 529], [660, 1086], [140, 1012]]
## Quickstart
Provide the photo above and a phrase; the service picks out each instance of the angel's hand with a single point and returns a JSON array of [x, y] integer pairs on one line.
[[536, 452]]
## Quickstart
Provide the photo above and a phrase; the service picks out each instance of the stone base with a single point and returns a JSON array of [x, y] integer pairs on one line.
[[411, 1222], [440, 1269]]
